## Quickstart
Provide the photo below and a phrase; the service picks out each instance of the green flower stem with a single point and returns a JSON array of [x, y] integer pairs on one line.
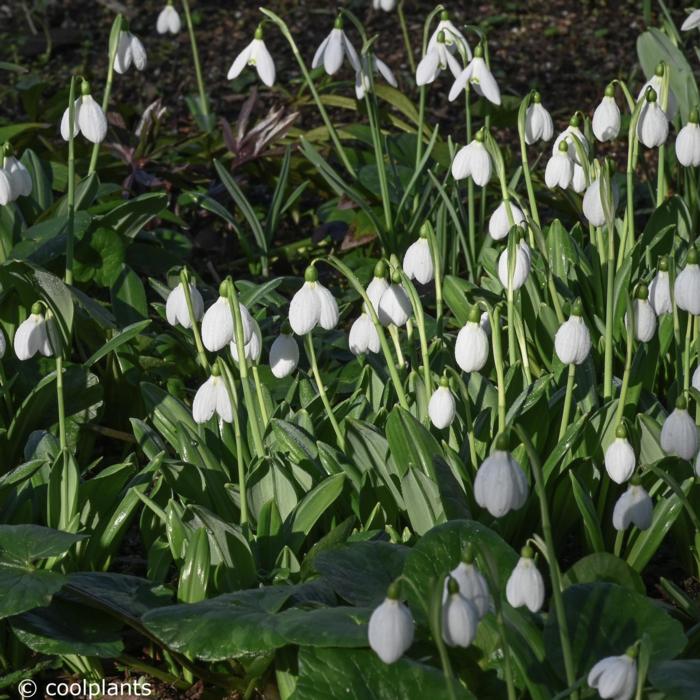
[[686, 354], [394, 333], [628, 366], [261, 396], [312, 88], [627, 242], [311, 354], [243, 367], [619, 539], [113, 45], [464, 390], [495, 321], [369, 307], [429, 231], [471, 204], [567, 400], [420, 322], [62, 441], [203, 102], [661, 174], [522, 344], [609, 303], [201, 354], [555, 574], [421, 121], [70, 233], [406, 39]]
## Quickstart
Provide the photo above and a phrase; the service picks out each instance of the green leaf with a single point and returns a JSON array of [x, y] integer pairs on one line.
[[129, 218], [194, 574], [603, 566], [411, 445], [678, 680], [112, 345], [24, 544], [316, 503], [128, 297]]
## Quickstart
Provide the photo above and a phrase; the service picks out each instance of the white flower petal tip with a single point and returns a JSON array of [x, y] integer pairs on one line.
[[252, 349], [478, 75], [130, 51], [688, 144], [390, 631], [217, 325], [614, 677], [620, 460], [473, 160], [660, 292], [500, 485], [687, 287], [607, 120], [454, 40], [19, 178], [418, 262], [652, 127], [634, 507], [572, 342], [256, 54], [168, 21], [525, 586], [334, 49], [442, 407], [284, 355], [644, 320], [472, 347]]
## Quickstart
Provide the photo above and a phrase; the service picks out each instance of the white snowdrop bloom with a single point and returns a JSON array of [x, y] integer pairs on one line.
[[436, 59], [313, 305], [478, 75], [522, 266], [571, 136], [473, 159], [442, 406], [391, 627], [257, 55], [284, 355], [696, 379], [455, 41], [525, 585], [538, 122], [333, 50], [386, 5], [500, 485], [652, 127], [572, 342], [485, 322], [19, 177], [89, 119], [378, 285], [607, 118], [459, 617], [176, 310], [644, 316], [472, 346], [687, 287], [418, 261], [362, 81], [688, 142], [660, 290], [129, 50], [252, 349], [656, 83], [212, 397], [395, 306], [218, 324], [6, 191], [168, 20], [560, 168], [634, 507], [32, 336], [691, 21], [363, 336], [620, 460], [472, 585], [593, 202], [579, 181], [679, 434], [499, 223], [615, 677]]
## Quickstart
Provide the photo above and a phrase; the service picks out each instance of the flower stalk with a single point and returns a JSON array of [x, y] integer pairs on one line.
[[203, 101]]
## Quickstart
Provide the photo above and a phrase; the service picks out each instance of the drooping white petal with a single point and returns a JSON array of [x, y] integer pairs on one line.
[[363, 336], [205, 400], [691, 21], [390, 630], [30, 337], [261, 58], [500, 485], [328, 307], [472, 347], [633, 507], [525, 586], [217, 325], [138, 53], [679, 434], [305, 309], [614, 677], [660, 293], [428, 68], [418, 261], [572, 341], [395, 306], [442, 408], [522, 266], [123, 56], [92, 120], [20, 179], [483, 81], [223, 401], [538, 124], [688, 145], [620, 460], [333, 54], [65, 120], [375, 289], [284, 355], [459, 621], [687, 289], [644, 320], [559, 171], [652, 128], [499, 223], [240, 62], [606, 120]]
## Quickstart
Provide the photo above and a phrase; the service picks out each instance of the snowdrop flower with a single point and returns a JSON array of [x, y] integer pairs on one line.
[[579, 181], [129, 50], [660, 289], [679, 434], [697, 466], [19, 178], [688, 141], [538, 122], [333, 50], [473, 159], [615, 677], [652, 127], [472, 346], [212, 397], [176, 310], [418, 260], [656, 83], [607, 118], [252, 349], [363, 336], [696, 379], [619, 457], [593, 202], [572, 136], [6, 191], [572, 343], [395, 306], [312, 305], [386, 5], [454, 39], [525, 585], [644, 316], [499, 223], [478, 75], [436, 59], [33, 335], [691, 21], [284, 355], [218, 326], [362, 81], [442, 406], [459, 617], [472, 584], [89, 119], [687, 287], [500, 485], [522, 266], [391, 626], [378, 285], [633, 507], [257, 55], [560, 168], [168, 20]]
